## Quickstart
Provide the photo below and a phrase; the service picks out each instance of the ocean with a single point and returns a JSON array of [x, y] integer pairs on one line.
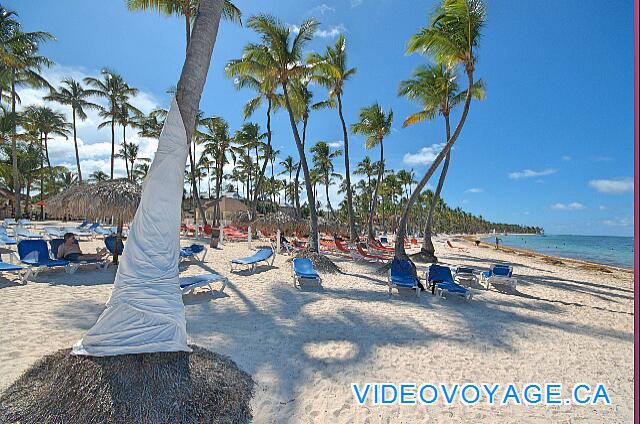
[[608, 250]]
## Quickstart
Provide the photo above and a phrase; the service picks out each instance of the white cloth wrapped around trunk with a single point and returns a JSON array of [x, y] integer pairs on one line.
[[145, 312]]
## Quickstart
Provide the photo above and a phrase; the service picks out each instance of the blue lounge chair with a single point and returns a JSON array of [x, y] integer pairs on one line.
[[110, 244], [22, 233], [189, 284], [499, 275], [303, 269], [35, 255], [7, 267], [10, 221], [101, 231], [402, 274], [440, 280], [73, 265], [4, 237], [82, 226], [54, 232], [78, 233], [262, 255], [193, 251], [25, 222]]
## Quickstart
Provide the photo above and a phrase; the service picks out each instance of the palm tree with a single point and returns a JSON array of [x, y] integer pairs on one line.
[[98, 176], [116, 91], [331, 71], [216, 140], [47, 122], [323, 160], [71, 93], [374, 124], [436, 89], [129, 152], [452, 36], [19, 58], [280, 55], [289, 166]]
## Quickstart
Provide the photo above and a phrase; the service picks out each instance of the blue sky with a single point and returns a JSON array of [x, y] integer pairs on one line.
[[551, 145]]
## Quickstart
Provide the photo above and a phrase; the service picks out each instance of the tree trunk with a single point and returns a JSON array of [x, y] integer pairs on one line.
[[402, 226], [46, 154], [113, 137], [75, 143], [195, 194], [428, 252], [313, 237], [14, 148], [326, 192], [352, 221], [124, 150], [254, 204], [296, 188], [374, 198]]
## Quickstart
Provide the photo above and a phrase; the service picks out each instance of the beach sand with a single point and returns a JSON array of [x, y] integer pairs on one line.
[[305, 347]]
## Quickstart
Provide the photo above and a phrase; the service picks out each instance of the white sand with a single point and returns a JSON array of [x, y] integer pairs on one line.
[[304, 347]]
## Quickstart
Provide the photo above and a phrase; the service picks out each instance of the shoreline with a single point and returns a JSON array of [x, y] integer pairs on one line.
[[550, 259]]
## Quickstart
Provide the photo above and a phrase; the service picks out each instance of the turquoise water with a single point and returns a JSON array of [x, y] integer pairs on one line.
[[617, 251]]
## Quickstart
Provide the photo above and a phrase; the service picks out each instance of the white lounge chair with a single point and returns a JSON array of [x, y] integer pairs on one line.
[[189, 284]]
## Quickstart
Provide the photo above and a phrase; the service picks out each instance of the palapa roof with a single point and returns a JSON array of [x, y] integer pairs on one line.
[[114, 198]]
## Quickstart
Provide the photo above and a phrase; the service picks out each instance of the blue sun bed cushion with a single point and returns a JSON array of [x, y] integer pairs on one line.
[[402, 274]]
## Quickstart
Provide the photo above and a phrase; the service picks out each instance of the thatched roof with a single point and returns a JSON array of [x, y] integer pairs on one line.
[[197, 387], [118, 198]]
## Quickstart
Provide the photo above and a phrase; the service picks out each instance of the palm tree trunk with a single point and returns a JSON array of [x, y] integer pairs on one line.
[[296, 188], [352, 221], [113, 137], [260, 178], [46, 154], [313, 237], [402, 226], [428, 250], [14, 148], [75, 143], [326, 192], [124, 150], [374, 198]]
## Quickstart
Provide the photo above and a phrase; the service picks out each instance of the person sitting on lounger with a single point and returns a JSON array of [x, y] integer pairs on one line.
[[70, 250]]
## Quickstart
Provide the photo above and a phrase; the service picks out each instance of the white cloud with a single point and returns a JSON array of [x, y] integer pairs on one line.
[[321, 9], [619, 222], [474, 190], [573, 206], [424, 156], [613, 186], [332, 32], [566, 158], [356, 3], [529, 173], [336, 144], [602, 207]]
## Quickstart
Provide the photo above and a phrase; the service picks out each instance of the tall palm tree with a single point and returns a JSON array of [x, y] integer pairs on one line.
[[71, 93], [19, 58], [452, 37], [375, 125], [48, 123], [188, 9], [323, 160], [436, 89], [280, 54], [216, 140], [289, 166], [331, 71], [116, 91], [129, 153]]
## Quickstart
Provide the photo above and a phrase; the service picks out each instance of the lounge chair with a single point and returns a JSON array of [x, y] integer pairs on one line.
[[4, 237], [189, 284], [402, 274], [99, 230], [53, 232], [499, 275], [22, 233], [110, 244], [35, 255], [441, 281], [458, 248], [73, 265], [10, 221], [83, 225], [193, 251], [343, 248], [25, 222], [465, 275], [302, 269], [262, 255], [8, 267], [78, 233], [361, 254]]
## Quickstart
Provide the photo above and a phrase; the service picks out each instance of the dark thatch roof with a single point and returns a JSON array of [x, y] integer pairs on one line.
[[177, 387], [118, 198]]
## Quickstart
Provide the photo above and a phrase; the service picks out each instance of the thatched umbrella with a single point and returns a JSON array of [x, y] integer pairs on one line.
[[114, 198]]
